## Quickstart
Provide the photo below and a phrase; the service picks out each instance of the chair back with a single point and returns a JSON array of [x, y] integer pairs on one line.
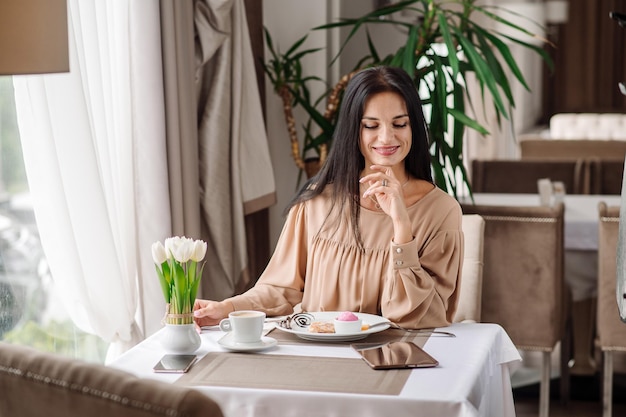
[[523, 282], [470, 296], [611, 330], [35, 384], [605, 176], [520, 176]]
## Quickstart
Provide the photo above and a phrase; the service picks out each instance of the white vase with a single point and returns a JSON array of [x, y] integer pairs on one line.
[[180, 338]]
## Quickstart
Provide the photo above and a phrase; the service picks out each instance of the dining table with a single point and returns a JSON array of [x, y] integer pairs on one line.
[[295, 376]]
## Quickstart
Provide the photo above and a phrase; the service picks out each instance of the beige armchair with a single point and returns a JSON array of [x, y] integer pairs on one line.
[[523, 283], [34, 384], [611, 330], [469, 306]]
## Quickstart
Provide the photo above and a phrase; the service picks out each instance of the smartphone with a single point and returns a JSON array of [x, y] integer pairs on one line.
[[175, 363], [394, 355]]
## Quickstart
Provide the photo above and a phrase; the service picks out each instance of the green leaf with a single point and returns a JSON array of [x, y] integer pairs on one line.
[[482, 70], [180, 286], [458, 126], [372, 48], [493, 63], [408, 59], [505, 51], [447, 38], [463, 118], [193, 293], [296, 45], [165, 285]]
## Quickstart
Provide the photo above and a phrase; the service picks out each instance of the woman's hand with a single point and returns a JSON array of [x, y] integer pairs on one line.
[[209, 313], [387, 190]]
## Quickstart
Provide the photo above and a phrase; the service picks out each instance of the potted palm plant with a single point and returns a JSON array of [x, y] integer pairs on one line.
[[440, 74]]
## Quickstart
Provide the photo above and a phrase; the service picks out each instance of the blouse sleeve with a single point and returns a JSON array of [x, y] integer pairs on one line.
[[280, 286], [420, 290]]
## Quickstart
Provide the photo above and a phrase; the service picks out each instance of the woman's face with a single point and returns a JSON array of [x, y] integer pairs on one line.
[[385, 130]]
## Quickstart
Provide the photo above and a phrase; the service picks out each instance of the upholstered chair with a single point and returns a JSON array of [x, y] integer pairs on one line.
[[610, 328], [523, 283], [35, 384], [520, 176], [605, 176], [468, 310]]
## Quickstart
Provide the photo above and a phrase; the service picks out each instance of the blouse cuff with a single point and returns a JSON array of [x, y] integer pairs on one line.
[[405, 255]]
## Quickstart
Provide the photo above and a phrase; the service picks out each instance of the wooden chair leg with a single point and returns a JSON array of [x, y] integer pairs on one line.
[[607, 384], [544, 388], [565, 352]]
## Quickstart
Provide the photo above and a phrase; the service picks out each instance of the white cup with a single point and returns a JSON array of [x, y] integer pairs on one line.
[[246, 325]]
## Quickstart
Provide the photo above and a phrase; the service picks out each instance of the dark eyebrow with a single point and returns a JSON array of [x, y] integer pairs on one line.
[[395, 118]]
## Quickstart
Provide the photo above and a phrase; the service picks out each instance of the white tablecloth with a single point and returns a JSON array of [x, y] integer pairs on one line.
[[473, 379]]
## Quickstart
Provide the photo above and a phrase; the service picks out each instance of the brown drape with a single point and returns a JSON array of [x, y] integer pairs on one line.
[[177, 36], [179, 63], [589, 60], [257, 224]]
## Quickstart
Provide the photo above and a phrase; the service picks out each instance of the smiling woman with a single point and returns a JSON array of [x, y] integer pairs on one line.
[[369, 233]]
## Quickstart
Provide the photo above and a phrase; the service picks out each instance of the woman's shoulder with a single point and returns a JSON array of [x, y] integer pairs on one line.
[[437, 198], [438, 204]]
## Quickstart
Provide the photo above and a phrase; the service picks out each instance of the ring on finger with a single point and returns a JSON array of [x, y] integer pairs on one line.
[[384, 183]]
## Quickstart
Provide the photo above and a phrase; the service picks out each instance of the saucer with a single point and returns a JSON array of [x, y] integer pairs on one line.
[[227, 342]]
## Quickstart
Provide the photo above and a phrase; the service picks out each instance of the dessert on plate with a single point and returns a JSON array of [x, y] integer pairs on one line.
[[347, 322]]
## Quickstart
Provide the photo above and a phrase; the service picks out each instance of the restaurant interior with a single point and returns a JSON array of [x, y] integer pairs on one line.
[[557, 163]]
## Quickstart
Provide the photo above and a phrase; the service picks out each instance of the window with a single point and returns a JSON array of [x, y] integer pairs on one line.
[[30, 314]]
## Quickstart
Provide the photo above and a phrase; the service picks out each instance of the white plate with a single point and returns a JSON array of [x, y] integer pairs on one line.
[[303, 331], [227, 342]]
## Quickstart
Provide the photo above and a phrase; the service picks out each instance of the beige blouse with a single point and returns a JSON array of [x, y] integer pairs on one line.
[[321, 265]]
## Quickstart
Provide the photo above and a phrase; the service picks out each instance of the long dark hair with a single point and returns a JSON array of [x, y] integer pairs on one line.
[[345, 161]]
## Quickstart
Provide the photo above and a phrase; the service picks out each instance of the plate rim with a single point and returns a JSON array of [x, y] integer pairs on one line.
[[344, 337]]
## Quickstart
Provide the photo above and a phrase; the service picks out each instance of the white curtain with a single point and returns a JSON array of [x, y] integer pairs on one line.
[[94, 150]]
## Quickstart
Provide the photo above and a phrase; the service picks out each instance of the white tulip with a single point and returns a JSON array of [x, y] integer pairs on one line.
[[171, 243], [199, 251], [182, 248], [158, 253]]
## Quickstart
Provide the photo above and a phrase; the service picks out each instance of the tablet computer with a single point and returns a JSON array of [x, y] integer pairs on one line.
[[394, 355]]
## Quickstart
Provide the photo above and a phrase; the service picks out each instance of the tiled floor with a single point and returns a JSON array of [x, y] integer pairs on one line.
[[586, 399]]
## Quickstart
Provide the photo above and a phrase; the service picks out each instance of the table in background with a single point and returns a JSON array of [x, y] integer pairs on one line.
[[472, 379]]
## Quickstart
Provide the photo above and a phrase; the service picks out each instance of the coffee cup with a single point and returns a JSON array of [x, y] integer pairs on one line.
[[246, 325]]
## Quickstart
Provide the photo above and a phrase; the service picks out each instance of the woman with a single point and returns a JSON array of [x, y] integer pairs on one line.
[[370, 232]]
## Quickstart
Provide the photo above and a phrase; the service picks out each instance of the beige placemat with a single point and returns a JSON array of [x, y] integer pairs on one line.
[[389, 335], [286, 372]]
